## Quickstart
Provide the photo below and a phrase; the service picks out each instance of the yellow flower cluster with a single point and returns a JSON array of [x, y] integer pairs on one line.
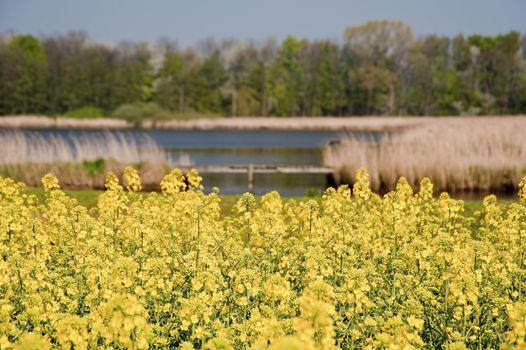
[[133, 181], [168, 270]]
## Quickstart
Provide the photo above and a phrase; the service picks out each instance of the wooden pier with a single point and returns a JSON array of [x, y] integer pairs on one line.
[[252, 169]]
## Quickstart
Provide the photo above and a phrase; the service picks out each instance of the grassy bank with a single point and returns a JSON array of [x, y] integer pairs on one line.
[[88, 199], [486, 154]]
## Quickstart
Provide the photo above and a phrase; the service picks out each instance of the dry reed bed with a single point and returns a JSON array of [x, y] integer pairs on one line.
[[237, 123], [371, 123], [43, 122], [468, 154], [28, 156], [290, 123]]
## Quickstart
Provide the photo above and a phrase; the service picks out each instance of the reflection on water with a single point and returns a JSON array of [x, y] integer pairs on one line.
[[288, 185], [476, 196], [240, 156]]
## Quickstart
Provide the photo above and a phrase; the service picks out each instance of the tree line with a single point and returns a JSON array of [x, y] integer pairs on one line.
[[378, 68]]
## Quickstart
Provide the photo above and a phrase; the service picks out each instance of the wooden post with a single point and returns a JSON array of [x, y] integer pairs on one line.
[[250, 172]]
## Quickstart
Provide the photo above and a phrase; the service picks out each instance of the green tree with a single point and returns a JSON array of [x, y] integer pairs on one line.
[[173, 81], [24, 76], [329, 86], [378, 50], [287, 87], [379, 69], [246, 85], [132, 76], [68, 81], [208, 81], [463, 57], [431, 79], [498, 69], [189, 83]]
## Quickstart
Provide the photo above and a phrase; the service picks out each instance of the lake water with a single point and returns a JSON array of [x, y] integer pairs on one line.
[[237, 147]]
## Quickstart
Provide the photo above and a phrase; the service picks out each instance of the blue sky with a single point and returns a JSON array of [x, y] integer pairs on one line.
[[188, 21]]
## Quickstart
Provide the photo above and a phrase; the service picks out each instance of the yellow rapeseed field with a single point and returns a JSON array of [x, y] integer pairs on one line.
[[166, 270]]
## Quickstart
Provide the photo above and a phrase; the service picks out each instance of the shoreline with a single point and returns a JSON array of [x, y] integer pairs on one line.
[[370, 123]]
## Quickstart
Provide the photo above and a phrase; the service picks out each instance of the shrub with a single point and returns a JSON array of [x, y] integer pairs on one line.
[[85, 112], [94, 167], [138, 111]]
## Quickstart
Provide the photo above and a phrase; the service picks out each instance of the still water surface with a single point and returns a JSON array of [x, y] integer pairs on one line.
[[244, 147], [238, 147]]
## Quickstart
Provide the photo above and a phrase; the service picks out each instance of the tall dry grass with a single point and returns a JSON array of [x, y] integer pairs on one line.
[[208, 123], [35, 148], [28, 156], [476, 154]]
